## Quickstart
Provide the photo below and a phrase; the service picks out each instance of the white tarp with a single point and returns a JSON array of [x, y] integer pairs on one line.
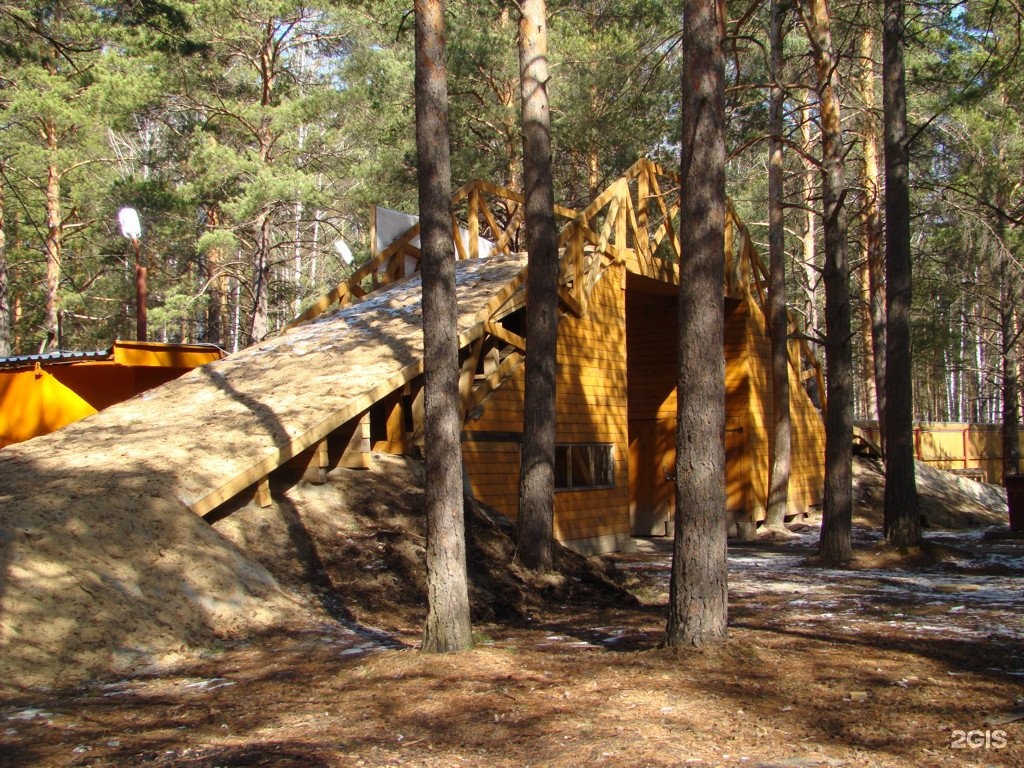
[[393, 224]]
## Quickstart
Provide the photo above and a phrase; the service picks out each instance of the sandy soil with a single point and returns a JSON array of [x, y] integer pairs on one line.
[[914, 663]]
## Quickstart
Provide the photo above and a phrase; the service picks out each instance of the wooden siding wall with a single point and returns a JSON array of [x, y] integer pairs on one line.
[[591, 409], [651, 353], [806, 482], [954, 445]]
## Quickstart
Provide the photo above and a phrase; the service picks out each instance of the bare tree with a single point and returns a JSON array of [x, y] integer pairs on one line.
[[534, 526], [448, 624], [698, 594], [902, 520]]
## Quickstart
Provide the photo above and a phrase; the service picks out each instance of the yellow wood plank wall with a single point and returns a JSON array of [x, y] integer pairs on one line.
[[808, 458], [591, 409], [652, 342]]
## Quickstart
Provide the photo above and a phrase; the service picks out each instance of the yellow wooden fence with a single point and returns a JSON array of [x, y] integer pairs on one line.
[[954, 445]]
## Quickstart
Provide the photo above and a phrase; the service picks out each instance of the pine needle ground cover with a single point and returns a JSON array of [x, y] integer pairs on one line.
[[894, 663]]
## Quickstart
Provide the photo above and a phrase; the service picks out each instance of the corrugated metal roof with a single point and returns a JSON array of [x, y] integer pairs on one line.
[[62, 356], [59, 356]]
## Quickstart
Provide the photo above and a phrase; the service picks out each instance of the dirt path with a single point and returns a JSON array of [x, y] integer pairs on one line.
[[876, 667]]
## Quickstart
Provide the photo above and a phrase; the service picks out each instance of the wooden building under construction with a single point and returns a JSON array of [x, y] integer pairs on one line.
[[346, 379], [616, 400]]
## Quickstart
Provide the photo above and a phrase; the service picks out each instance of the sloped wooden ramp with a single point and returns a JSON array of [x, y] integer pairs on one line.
[[206, 437]]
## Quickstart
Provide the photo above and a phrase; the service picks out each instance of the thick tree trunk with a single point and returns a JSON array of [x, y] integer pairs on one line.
[[447, 627], [781, 453], [902, 520], [534, 526], [873, 272], [698, 595], [837, 512]]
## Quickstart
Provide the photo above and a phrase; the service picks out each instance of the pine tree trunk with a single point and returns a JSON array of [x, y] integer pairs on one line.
[[259, 326], [874, 253], [698, 594], [534, 526], [781, 453], [902, 520], [808, 243], [5, 308], [52, 245], [447, 627], [1010, 431], [837, 509], [216, 308]]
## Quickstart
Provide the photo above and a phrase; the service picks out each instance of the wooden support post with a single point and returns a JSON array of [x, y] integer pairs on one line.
[[731, 278], [263, 498], [621, 241], [474, 224], [316, 471], [416, 438], [467, 374], [576, 251], [356, 455], [492, 222], [460, 247], [643, 192]]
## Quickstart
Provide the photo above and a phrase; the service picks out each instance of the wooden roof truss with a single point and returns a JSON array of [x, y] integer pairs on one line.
[[633, 221]]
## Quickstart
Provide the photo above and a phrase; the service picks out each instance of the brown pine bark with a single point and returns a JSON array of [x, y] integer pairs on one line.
[[837, 509], [5, 307], [1010, 430], [902, 520], [259, 325], [535, 523], [447, 626], [873, 270], [216, 309], [52, 246], [782, 438], [698, 595]]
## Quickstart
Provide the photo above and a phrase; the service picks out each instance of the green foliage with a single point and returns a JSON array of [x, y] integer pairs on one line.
[[164, 106]]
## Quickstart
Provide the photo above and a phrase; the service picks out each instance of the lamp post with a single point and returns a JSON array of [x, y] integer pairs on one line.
[[132, 229]]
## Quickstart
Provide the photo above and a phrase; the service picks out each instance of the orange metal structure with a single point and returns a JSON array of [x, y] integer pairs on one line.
[[42, 393]]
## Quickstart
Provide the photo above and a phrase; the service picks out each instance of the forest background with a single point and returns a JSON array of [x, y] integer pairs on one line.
[[252, 137]]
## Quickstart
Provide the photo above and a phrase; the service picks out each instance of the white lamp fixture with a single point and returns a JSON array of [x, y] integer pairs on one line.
[[130, 226]]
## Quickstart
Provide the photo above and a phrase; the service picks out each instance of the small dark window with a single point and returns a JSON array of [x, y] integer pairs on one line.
[[584, 465]]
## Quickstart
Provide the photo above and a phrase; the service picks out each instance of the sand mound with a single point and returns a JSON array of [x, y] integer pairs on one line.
[[99, 575], [357, 543], [947, 501]]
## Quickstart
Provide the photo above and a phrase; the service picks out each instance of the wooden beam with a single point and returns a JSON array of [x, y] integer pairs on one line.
[[495, 379], [467, 374], [356, 455], [501, 245], [474, 224], [263, 498], [505, 335], [319, 464]]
